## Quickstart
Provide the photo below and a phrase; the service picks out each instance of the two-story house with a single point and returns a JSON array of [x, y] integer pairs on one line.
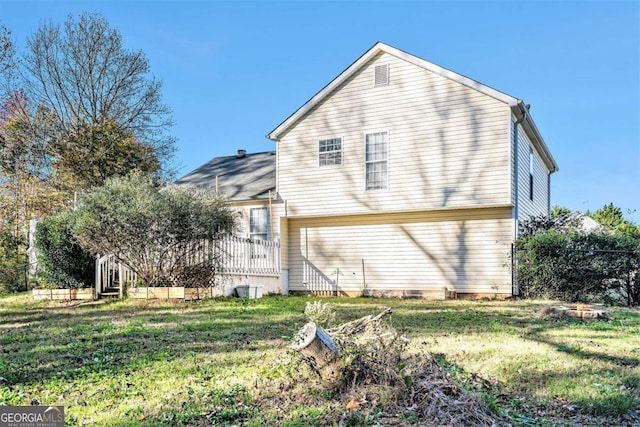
[[399, 177]]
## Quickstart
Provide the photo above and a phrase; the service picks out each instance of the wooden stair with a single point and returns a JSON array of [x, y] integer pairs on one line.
[[110, 292]]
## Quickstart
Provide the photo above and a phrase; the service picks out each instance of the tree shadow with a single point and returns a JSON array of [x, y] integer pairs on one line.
[[78, 344], [451, 166]]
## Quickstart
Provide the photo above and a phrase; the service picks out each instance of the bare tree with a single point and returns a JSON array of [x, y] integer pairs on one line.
[[84, 76], [7, 60]]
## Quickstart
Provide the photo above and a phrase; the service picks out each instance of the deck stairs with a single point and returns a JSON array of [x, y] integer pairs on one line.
[[112, 291]]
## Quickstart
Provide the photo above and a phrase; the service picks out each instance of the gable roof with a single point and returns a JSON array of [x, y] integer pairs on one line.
[[517, 105], [241, 177]]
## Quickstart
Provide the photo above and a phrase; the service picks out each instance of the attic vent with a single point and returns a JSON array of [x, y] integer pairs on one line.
[[381, 75]]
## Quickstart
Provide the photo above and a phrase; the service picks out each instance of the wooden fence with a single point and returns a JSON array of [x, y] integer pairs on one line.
[[236, 256]]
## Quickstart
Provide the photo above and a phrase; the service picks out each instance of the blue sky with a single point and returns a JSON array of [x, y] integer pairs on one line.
[[232, 71]]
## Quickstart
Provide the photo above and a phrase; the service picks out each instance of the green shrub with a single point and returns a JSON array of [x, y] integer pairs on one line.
[[13, 263], [158, 233], [61, 261], [563, 263]]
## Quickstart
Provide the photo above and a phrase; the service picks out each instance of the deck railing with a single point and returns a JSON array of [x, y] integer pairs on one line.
[[249, 257], [236, 256]]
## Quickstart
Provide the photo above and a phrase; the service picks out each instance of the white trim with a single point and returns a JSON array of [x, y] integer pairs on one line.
[[400, 211], [360, 62], [531, 130], [487, 90], [364, 162], [341, 150], [267, 222], [517, 105], [512, 154]]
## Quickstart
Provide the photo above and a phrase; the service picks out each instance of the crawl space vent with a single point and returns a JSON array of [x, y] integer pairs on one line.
[[381, 75]]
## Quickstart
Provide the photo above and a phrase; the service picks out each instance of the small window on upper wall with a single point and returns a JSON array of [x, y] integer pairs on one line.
[[381, 75], [330, 152], [530, 174]]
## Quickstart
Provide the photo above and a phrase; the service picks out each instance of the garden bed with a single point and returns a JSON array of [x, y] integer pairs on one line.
[[174, 293], [190, 294], [63, 294]]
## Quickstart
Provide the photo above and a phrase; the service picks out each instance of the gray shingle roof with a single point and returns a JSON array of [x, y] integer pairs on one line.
[[248, 177]]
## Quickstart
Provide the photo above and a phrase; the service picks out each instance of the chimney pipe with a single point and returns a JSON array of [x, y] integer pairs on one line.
[[241, 154]]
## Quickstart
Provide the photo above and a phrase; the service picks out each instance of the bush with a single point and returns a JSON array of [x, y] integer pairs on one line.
[[564, 263], [160, 234], [62, 263], [13, 263]]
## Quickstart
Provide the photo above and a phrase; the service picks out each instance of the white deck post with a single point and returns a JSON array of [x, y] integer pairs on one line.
[[97, 277], [120, 279]]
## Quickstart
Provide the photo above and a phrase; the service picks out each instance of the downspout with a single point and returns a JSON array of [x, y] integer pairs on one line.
[[514, 280], [549, 194], [269, 232], [517, 163]]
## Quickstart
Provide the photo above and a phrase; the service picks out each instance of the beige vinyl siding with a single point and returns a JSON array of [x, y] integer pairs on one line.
[[448, 146], [274, 212], [540, 203], [464, 250]]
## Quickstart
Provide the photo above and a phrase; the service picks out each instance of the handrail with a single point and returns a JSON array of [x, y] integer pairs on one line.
[[233, 255]]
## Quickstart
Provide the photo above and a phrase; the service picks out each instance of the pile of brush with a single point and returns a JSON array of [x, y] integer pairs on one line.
[[366, 369]]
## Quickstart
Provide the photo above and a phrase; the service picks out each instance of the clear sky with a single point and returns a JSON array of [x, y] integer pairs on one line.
[[233, 71]]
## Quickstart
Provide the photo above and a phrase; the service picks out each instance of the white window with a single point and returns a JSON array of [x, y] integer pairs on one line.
[[330, 152], [376, 160], [531, 174], [258, 224]]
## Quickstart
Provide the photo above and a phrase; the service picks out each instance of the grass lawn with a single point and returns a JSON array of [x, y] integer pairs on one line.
[[225, 362]]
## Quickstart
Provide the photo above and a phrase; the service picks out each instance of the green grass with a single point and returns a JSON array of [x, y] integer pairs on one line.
[[224, 362]]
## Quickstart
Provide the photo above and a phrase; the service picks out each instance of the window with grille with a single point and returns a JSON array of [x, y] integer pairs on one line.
[[330, 152], [376, 160], [258, 224]]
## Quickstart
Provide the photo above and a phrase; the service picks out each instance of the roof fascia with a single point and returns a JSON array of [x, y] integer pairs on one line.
[[275, 134], [377, 48], [534, 135], [451, 75]]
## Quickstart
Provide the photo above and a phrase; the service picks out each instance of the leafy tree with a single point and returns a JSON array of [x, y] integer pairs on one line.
[[155, 232], [95, 90], [97, 152], [613, 218], [13, 262], [559, 211], [26, 185]]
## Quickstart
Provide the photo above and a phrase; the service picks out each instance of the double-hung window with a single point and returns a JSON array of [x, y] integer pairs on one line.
[[330, 152], [258, 230], [258, 224], [377, 160]]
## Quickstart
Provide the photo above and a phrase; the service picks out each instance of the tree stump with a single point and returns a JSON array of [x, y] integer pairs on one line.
[[317, 348]]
